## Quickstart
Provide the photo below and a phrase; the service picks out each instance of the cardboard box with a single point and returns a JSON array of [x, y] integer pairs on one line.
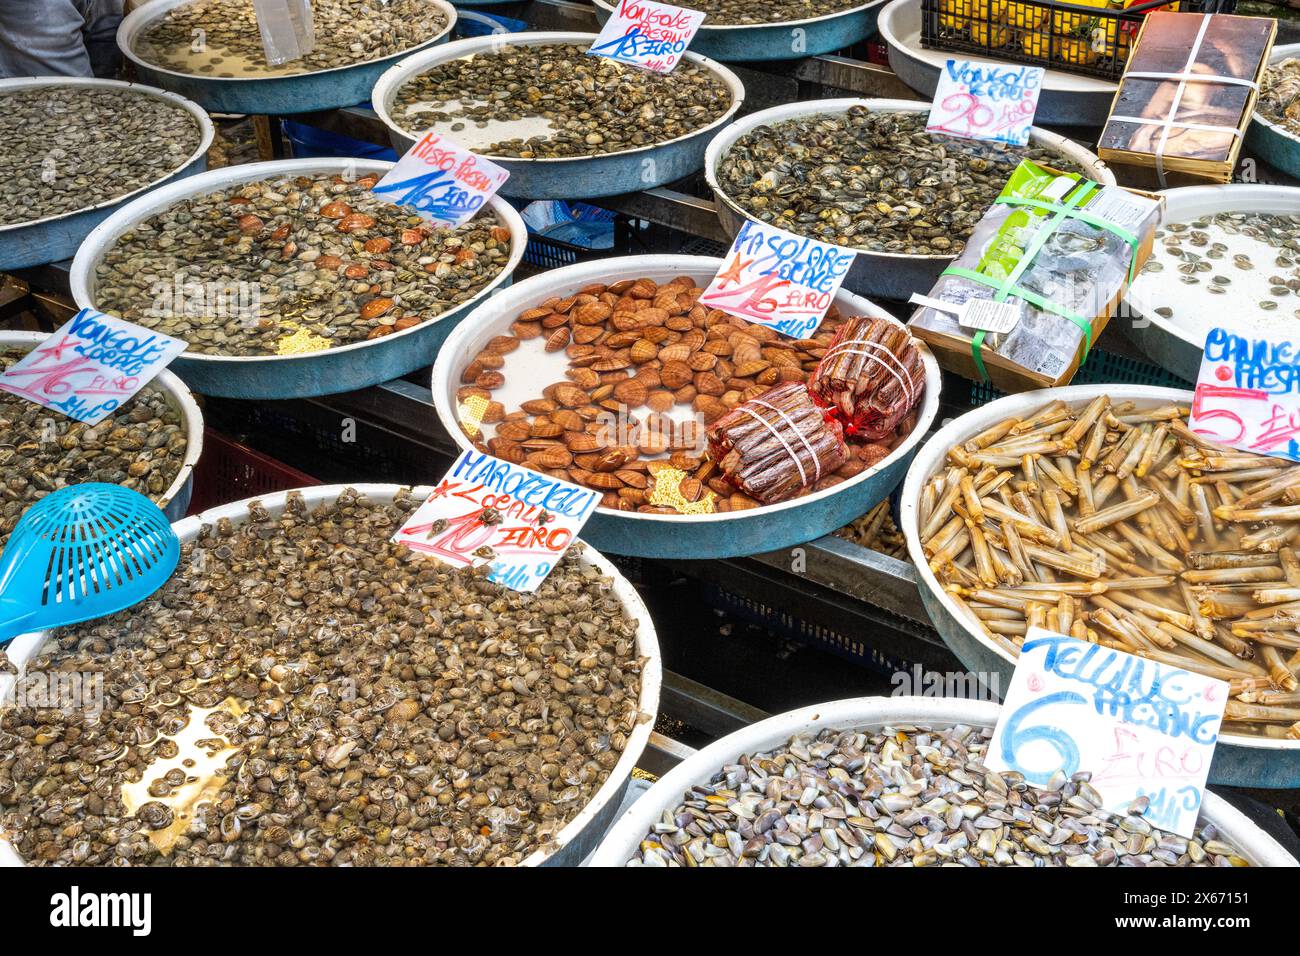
[[1231, 46], [952, 347]]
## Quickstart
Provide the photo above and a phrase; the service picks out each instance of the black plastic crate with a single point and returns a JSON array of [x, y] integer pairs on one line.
[[778, 621], [1101, 368], [1076, 38]]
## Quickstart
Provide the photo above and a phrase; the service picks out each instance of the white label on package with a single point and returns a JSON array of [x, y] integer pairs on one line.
[[1248, 393], [989, 101], [287, 28], [653, 36], [445, 183], [91, 367], [1121, 208], [1141, 728], [989, 315], [985, 314], [489, 511]]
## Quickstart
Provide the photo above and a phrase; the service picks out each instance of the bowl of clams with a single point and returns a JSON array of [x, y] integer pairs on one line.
[[864, 174], [564, 124], [303, 691], [290, 279], [212, 51], [77, 149]]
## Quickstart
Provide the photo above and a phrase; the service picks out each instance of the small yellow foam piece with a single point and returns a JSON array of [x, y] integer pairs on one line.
[[471, 412], [667, 493], [301, 341]]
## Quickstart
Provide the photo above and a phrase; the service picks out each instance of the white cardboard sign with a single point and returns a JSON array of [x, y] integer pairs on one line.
[[489, 511], [91, 366], [442, 181], [1142, 728]]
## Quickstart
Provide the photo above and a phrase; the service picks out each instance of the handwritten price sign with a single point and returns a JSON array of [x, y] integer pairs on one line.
[[650, 35], [1248, 393], [991, 101], [488, 511], [1143, 729], [90, 367], [776, 278], [445, 183]]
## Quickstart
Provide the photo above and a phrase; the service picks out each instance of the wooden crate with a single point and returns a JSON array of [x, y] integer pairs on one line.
[[1136, 166], [953, 352]]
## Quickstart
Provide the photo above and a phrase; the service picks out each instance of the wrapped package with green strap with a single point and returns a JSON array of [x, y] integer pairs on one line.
[[1057, 250]]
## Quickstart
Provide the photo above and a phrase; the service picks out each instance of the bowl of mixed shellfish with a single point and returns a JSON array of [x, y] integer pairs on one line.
[[292, 278], [304, 691]]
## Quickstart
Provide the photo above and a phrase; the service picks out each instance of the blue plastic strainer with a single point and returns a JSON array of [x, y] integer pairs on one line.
[[83, 552]]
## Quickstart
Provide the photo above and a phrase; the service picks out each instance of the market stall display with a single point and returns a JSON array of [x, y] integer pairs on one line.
[[327, 678], [596, 680], [212, 51], [870, 782], [613, 398], [865, 174], [150, 445], [1125, 528], [1189, 91], [566, 125], [1222, 250], [291, 278], [1067, 99], [78, 149], [1274, 131], [738, 31]]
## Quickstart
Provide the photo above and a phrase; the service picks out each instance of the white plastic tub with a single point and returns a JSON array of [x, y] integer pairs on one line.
[[1239, 760], [869, 713]]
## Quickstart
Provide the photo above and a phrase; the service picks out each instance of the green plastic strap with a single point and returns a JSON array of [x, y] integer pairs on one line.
[[1004, 288], [1033, 298], [1087, 217]]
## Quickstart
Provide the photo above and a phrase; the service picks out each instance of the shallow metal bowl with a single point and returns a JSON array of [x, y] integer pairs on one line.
[[579, 837], [686, 536], [340, 369], [888, 275], [1270, 141], [38, 241], [1167, 342], [870, 713], [779, 40], [274, 95], [565, 177], [1239, 761], [175, 501]]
